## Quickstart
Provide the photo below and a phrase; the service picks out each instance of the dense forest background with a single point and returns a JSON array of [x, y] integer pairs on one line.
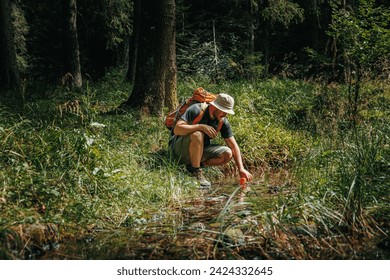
[[247, 39]]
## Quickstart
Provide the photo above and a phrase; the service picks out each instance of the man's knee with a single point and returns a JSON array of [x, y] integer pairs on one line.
[[227, 155], [197, 136]]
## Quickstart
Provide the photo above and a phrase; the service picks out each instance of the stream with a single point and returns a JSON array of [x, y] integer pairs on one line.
[[206, 227], [223, 222]]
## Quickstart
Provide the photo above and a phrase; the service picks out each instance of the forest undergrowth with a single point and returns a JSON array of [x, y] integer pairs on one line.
[[70, 167]]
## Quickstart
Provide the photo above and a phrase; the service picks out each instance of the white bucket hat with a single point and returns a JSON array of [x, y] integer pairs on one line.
[[224, 102]]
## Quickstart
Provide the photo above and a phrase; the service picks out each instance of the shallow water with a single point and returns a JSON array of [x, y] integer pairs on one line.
[[215, 225], [194, 232]]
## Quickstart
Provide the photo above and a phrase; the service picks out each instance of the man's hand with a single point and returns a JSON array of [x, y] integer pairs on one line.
[[209, 130], [246, 174]]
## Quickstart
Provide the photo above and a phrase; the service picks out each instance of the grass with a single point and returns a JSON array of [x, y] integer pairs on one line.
[[65, 162]]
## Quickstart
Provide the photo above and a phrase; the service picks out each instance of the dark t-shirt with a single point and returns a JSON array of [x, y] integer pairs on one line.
[[195, 109]]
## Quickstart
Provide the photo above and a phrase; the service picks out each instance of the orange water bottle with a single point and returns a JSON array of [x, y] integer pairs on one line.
[[242, 182]]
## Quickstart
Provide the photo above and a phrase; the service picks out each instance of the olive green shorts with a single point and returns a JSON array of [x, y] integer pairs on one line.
[[179, 148]]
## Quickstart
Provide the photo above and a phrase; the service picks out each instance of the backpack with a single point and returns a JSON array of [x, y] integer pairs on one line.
[[200, 95]]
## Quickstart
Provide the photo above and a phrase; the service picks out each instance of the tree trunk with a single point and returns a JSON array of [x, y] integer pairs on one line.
[[155, 76], [266, 49], [315, 23], [9, 71], [133, 52], [171, 75], [71, 44], [251, 27], [144, 64]]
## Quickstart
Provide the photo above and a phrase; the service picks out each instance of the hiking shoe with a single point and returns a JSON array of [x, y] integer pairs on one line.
[[198, 174]]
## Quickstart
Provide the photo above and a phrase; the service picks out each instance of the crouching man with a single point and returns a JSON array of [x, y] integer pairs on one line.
[[192, 142]]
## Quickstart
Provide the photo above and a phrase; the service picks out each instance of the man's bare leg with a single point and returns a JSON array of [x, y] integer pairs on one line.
[[196, 151], [196, 148], [219, 160]]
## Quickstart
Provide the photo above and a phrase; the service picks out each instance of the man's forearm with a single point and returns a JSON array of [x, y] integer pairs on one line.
[[238, 159], [185, 129]]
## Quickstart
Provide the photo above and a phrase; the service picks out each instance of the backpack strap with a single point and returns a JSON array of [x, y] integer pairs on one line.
[[198, 118], [177, 113]]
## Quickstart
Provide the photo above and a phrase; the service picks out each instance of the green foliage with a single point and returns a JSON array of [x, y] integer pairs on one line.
[[346, 182], [363, 33], [283, 12], [199, 55], [76, 166], [263, 125], [340, 171], [251, 67], [112, 18], [344, 176], [104, 29]]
